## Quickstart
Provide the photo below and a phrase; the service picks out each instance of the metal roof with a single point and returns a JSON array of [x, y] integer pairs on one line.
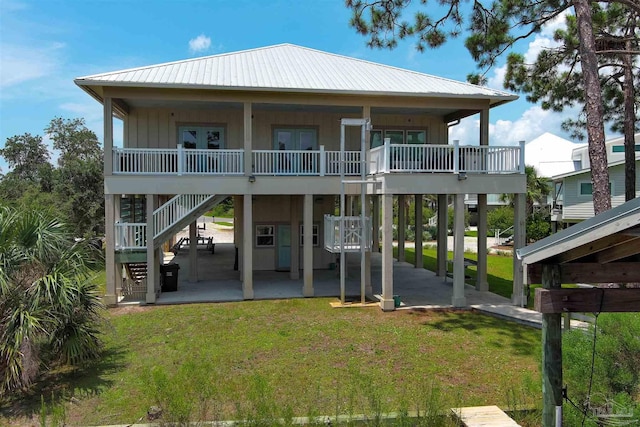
[[291, 68], [622, 218]]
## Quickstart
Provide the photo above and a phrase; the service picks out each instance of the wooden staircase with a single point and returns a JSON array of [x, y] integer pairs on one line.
[[134, 286]]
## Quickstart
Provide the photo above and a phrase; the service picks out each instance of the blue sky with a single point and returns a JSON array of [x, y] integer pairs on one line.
[[45, 44]]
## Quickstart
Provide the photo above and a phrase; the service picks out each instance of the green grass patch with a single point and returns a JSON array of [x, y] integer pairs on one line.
[[297, 357], [226, 224], [471, 233]]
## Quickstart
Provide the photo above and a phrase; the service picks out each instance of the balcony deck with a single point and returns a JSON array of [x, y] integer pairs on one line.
[[388, 158]]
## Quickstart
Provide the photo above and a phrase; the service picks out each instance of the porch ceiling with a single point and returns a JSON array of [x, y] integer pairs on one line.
[[209, 105]]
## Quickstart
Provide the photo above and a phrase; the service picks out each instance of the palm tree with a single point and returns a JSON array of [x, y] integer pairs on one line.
[[538, 190], [49, 307]]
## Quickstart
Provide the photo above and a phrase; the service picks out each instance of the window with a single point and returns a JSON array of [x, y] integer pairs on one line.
[[620, 148], [295, 139], [416, 137], [265, 235], [376, 138], [398, 136], [202, 137], [586, 188], [315, 235]]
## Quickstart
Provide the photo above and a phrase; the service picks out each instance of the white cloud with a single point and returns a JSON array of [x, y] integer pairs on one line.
[[534, 122], [199, 44], [22, 63]]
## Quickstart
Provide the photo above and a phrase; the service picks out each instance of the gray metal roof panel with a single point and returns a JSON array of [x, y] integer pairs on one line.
[[619, 218], [288, 67]]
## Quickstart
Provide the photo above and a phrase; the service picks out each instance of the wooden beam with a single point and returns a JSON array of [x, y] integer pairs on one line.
[[592, 300], [614, 272], [551, 353], [590, 248], [623, 250]]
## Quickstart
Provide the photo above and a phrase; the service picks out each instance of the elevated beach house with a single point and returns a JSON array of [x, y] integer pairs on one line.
[[312, 147]]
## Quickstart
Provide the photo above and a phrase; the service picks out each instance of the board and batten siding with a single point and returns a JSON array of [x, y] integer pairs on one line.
[[577, 207], [276, 210], [158, 127]]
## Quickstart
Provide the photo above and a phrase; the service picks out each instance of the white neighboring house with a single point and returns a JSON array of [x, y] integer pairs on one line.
[[266, 127], [573, 195], [549, 154]]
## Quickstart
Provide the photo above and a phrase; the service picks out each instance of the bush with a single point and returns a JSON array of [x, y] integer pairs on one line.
[[450, 218], [617, 363], [500, 218], [538, 225]]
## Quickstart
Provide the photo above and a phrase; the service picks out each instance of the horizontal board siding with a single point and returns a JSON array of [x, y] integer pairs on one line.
[[581, 207]]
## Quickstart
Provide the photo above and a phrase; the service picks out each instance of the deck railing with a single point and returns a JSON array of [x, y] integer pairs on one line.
[[355, 233], [447, 158], [388, 158], [180, 161], [130, 236]]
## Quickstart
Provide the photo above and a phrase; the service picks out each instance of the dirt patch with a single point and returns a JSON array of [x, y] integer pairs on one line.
[[127, 309]]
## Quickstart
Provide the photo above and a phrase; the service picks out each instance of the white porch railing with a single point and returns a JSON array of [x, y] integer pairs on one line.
[[446, 158], [166, 161], [355, 233], [130, 236], [384, 159], [304, 162], [175, 209]]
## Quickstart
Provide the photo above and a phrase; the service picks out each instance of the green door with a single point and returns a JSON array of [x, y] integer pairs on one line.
[[284, 248]]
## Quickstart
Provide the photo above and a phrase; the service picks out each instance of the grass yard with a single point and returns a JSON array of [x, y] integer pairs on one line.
[[294, 357], [499, 268]]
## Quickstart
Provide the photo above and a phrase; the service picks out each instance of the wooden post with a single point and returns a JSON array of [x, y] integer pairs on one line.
[[551, 354], [443, 224], [401, 227], [418, 231]]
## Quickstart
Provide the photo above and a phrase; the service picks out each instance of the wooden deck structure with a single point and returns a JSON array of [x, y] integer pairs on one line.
[[483, 416]]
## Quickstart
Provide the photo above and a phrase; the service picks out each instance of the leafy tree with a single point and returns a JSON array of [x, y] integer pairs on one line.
[[555, 78], [538, 190], [49, 308], [493, 28], [500, 218], [75, 187], [74, 140], [26, 155]]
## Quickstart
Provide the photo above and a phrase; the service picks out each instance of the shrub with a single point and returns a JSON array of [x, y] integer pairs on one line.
[[500, 218], [538, 225]]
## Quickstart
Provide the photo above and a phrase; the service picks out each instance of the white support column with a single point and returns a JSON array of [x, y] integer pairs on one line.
[[248, 144], [307, 214], [107, 104], [418, 241], [193, 252], [458, 299], [519, 239], [481, 283], [367, 255], [387, 253], [151, 253], [375, 220], [117, 198], [238, 230], [401, 227], [294, 272], [110, 298], [247, 247], [443, 224]]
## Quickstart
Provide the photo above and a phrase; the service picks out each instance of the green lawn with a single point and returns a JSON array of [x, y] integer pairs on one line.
[[499, 269], [296, 357]]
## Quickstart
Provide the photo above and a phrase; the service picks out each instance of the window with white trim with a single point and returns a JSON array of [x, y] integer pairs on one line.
[[315, 235], [398, 136], [265, 236]]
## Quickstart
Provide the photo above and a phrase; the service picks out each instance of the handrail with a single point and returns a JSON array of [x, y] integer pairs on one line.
[[175, 209], [130, 235]]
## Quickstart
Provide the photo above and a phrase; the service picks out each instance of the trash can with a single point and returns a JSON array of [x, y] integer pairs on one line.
[[169, 277], [396, 301]]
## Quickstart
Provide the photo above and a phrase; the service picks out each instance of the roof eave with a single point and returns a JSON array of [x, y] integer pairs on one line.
[[496, 99]]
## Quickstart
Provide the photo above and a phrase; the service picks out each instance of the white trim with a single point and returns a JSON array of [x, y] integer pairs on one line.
[[272, 235]]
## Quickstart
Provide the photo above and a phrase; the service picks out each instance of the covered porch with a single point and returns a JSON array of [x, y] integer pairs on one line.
[[416, 287]]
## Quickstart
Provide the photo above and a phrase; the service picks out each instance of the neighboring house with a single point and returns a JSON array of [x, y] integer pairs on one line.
[[549, 154], [573, 190], [275, 128]]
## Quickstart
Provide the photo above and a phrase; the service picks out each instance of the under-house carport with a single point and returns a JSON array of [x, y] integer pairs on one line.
[[604, 251]]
